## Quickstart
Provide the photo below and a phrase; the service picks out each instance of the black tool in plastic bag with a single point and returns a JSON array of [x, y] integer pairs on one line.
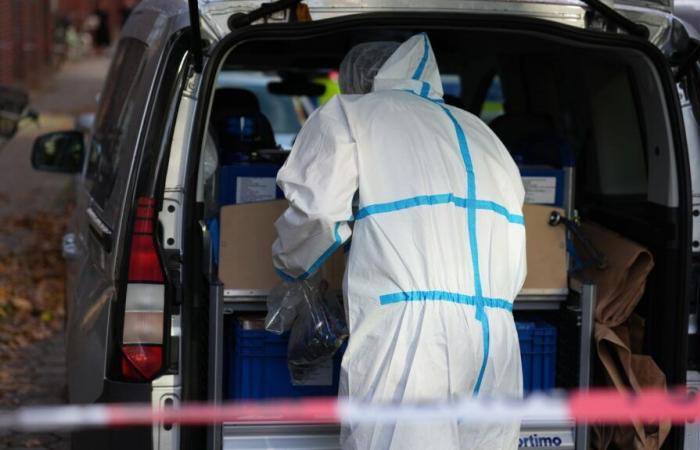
[[315, 320]]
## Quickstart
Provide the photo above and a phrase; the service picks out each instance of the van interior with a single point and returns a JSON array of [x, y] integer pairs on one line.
[[603, 99]]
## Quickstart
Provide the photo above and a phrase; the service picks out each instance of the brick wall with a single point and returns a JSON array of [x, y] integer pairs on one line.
[[6, 42], [26, 34], [81, 9], [32, 56], [78, 9], [25, 41]]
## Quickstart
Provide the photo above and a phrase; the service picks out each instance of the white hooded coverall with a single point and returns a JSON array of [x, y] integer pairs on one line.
[[437, 255]]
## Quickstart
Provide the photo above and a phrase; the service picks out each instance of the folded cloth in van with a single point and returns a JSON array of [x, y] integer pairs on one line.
[[627, 370], [621, 285], [619, 333]]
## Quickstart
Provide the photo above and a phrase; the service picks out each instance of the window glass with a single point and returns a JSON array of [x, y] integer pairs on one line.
[[452, 90], [117, 104], [451, 85], [279, 109], [493, 105], [286, 113]]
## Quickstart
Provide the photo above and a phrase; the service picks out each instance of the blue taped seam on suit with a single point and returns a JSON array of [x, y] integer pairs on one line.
[[437, 101], [462, 299], [477, 301], [425, 89], [471, 194], [317, 264], [439, 199], [471, 224], [423, 61], [500, 209], [284, 276], [486, 337], [471, 221]]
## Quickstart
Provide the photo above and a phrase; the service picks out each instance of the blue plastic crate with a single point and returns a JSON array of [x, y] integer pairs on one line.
[[526, 331], [256, 362], [256, 366], [538, 349], [258, 181], [537, 190]]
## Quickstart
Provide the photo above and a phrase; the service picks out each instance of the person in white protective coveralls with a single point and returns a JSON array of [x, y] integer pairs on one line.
[[438, 248]]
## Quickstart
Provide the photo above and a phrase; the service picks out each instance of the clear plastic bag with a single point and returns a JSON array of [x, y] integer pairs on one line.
[[316, 321], [283, 303]]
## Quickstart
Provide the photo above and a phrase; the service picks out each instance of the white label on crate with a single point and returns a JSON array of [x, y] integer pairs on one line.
[[541, 190], [322, 375], [544, 439], [255, 189]]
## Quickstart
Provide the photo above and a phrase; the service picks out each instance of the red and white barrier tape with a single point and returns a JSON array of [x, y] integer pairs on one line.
[[597, 406]]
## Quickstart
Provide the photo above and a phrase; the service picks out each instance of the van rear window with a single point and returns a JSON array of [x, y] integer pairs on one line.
[[117, 104]]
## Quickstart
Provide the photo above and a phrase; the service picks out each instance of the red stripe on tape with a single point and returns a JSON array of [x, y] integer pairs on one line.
[[311, 410], [649, 406]]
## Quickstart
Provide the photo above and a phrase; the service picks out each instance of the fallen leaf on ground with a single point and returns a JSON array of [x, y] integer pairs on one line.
[[4, 296], [22, 304], [32, 284]]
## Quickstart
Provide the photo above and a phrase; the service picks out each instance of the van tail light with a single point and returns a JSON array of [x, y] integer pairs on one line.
[[142, 339], [144, 263], [141, 362]]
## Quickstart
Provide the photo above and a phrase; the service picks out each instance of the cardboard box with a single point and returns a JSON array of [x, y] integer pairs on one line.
[[247, 235], [546, 252]]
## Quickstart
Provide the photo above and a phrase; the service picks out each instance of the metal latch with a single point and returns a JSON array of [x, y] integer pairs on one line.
[[598, 258], [240, 20]]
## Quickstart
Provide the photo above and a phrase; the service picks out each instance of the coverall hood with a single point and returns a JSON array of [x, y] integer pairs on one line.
[[411, 67]]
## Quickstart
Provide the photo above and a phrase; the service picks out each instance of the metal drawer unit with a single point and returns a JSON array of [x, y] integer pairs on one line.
[[533, 435]]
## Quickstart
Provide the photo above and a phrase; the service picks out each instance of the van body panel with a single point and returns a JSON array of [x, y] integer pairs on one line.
[[95, 271], [693, 136]]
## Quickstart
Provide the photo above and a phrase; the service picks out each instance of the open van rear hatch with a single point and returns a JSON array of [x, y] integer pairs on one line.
[[515, 17], [654, 14]]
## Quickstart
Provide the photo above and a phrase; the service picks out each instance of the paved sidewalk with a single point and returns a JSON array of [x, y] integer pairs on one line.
[[35, 374], [36, 378], [71, 92]]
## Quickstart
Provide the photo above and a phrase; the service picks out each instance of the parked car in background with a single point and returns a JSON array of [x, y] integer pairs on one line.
[[14, 109], [286, 113]]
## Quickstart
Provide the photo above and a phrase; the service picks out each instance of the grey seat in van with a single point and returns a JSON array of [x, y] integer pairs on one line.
[[238, 125]]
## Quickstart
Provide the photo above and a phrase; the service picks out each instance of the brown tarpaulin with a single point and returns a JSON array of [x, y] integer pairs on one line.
[[618, 334]]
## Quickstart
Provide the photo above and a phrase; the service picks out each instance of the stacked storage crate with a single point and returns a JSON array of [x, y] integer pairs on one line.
[[538, 350], [256, 362]]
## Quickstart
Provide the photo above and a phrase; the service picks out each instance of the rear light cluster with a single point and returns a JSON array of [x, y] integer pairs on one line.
[[142, 339]]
